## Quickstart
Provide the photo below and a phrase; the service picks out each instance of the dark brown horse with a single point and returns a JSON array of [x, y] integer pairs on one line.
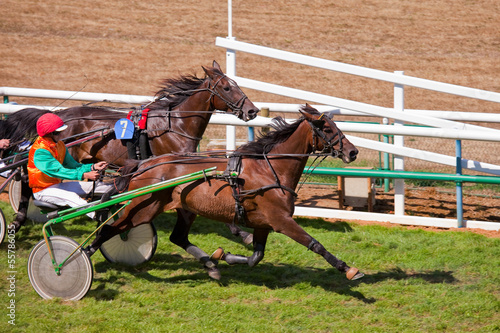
[[263, 191], [18, 127], [177, 119]]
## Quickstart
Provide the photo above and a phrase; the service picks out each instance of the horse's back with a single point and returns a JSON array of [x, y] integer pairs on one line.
[[81, 119]]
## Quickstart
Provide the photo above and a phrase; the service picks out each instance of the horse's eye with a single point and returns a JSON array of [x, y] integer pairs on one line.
[[227, 88]]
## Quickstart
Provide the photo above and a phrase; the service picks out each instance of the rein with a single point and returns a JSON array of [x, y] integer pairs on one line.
[[237, 108]]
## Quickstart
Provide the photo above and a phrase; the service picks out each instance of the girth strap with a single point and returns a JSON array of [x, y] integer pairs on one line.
[[231, 176]]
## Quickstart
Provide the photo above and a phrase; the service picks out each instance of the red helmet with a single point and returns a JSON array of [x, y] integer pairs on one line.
[[49, 123]]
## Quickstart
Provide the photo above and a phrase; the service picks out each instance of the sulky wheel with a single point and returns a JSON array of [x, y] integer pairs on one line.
[[15, 194], [134, 247], [3, 226], [75, 276]]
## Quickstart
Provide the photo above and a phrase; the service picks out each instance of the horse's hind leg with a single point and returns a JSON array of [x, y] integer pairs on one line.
[[246, 237], [179, 236], [107, 232], [259, 245]]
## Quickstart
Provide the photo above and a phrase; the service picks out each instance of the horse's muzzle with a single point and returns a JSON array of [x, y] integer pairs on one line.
[[350, 155], [250, 114]]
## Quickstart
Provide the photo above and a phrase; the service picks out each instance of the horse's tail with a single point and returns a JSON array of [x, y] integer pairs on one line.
[[21, 124], [121, 183]]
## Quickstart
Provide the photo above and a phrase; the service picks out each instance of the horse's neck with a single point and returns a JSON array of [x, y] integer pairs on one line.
[[190, 118], [289, 169]]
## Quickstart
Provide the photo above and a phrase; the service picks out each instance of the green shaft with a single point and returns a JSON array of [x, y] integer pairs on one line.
[[70, 213], [120, 198]]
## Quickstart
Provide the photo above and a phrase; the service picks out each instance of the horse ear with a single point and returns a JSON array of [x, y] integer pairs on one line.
[[208, 71], [216, 65], [303, 111]]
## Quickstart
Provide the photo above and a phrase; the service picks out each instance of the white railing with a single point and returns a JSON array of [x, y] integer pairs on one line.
[[224, 119], [443, 122], [447, 128]]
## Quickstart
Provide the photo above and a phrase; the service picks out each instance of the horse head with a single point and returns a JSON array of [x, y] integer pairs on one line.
[[327, 137], [226, 94]]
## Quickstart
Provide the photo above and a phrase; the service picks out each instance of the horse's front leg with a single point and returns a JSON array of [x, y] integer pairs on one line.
[[295, 232], [179, 236], [259, 245]]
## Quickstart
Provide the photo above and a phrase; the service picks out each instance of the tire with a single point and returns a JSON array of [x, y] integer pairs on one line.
[[15, 194], [75, 278], [3, 227], [136, 246]]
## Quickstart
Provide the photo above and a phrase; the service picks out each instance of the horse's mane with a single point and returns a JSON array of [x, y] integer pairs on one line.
[[177, 90], [21, 125], [282, 131]]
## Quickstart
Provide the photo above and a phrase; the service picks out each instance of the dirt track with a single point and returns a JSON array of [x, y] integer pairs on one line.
[[430, 202]]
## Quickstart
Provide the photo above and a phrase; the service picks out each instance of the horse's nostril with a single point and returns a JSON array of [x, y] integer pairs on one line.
[[353, 154]]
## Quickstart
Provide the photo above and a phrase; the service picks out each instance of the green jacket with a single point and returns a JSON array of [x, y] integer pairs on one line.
[[68, 170]]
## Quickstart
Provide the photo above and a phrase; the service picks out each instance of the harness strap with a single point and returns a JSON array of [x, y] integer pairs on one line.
[[231, 176], [144, 117], [138, 146], [268, 187]]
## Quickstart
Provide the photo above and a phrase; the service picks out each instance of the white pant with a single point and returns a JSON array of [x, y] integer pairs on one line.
[[71, 193]]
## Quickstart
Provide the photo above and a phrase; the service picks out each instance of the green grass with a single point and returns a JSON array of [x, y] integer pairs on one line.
[[417, 281]]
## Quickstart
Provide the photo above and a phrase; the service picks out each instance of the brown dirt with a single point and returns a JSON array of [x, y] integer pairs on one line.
[[128, 46], [428, 202]]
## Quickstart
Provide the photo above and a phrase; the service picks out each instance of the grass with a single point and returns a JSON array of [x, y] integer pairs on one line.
[[416, 281]]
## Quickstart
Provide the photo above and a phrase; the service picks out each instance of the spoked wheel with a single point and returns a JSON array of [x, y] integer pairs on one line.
[[76, 274], [15, 194], [134, 247], [3, 226]]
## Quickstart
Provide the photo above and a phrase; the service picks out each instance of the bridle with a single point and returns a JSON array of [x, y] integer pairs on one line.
[[329, 143], [237, 108]]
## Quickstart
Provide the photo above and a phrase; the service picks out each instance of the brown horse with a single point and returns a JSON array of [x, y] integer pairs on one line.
[[176, 121], [263, 191]]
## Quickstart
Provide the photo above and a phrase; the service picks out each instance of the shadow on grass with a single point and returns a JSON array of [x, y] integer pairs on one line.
[[272, 276]]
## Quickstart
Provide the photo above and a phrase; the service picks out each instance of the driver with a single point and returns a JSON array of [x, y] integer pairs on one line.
[[49, 163]]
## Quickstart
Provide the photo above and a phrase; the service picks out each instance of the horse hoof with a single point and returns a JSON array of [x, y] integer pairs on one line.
[[214, 273], [354, 274], [248, 239], [218, 254]]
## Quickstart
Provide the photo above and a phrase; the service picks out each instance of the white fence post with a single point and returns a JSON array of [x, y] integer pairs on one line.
[[231, 71], [399, 184]]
